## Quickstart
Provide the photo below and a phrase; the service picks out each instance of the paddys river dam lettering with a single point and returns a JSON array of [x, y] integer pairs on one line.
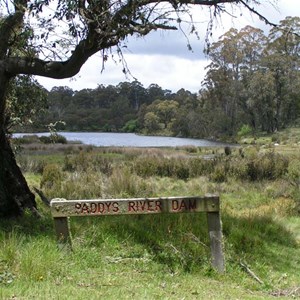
[[135, 206]]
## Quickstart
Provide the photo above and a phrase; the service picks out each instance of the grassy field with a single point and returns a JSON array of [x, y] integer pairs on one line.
[[162, 256]]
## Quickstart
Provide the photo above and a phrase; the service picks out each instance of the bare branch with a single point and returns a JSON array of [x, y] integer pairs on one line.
[[258, 14]]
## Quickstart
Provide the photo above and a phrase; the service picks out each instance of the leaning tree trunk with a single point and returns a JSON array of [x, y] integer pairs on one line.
[[15, 195]]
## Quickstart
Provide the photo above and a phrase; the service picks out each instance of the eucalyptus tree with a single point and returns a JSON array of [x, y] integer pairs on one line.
[[235, 57], [55, 38], [281, 58]]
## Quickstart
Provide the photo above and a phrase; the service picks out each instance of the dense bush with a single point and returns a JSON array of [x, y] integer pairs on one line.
[[27, 164], [54, 138], [163, 167], [267, 166], [122, 183], [84, 161], [27, 139], [294, 172], [52, 176], [220, 173]]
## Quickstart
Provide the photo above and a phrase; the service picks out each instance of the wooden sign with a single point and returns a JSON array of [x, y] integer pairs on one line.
[[100, 207], [62, 209]]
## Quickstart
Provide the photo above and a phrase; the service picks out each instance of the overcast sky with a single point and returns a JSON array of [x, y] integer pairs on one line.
[[163, 57]]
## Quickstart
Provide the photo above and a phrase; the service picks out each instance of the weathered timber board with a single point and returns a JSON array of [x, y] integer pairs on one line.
[[99, 207]]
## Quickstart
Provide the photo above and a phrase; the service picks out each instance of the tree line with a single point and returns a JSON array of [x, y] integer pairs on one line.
[[252, 84]]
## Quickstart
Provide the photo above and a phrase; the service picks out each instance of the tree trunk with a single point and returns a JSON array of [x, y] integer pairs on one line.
[[15, 195]]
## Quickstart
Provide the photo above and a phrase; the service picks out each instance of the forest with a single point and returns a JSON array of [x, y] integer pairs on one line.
[[251, 85]]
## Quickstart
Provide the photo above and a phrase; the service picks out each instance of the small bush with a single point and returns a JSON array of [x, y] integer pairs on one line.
[[77, 185], [267, 166], [190, 149], [227, 150], [52, 177], [27, 139], [55, 139], [294, 172], [59, 139], [162, 167], [45, 139], [80, 162], [28, 164], [122, 183], [85, 161], [220, 173], [239, 168], [244, 130]]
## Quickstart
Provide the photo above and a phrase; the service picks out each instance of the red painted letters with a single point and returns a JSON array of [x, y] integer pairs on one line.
[[97, 208], [184, 205], [144, 206]]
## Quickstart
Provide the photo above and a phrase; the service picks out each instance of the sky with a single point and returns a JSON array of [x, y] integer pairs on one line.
[[163, 57]]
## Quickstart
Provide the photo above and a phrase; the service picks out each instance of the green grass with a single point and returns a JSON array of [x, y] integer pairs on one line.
[[146, 257], [153, 257]]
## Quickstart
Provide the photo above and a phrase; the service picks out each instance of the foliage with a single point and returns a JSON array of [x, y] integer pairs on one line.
[[52, 177], [26, 102], [250, 79], [56, 139], [130, 126], [294, 172], [244, 130]]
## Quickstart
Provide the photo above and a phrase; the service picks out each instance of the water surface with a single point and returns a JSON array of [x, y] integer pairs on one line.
[[108, 139]]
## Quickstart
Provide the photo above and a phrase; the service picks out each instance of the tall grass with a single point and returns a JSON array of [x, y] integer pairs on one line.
[[162, 256]]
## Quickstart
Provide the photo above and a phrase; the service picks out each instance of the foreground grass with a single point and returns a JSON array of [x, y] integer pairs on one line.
[[147, 257], [153, 257]]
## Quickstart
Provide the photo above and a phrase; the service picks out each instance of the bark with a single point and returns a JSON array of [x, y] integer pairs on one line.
[[15, 195]]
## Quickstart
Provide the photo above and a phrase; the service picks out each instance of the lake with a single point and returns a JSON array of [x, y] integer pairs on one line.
[[109, 139]]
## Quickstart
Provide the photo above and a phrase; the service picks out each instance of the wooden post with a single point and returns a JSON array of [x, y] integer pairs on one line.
[[61, 226], [216, 243]]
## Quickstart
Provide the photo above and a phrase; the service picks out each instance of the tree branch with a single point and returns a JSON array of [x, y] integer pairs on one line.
[[258, 14], [52, 69], [102, 33]]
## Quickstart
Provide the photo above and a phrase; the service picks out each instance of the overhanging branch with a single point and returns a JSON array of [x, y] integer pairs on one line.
[[254, 11]]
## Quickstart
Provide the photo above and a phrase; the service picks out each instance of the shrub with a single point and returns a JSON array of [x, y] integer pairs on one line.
[[59, 139], [220, 173], [27, 139], [199, 166], [239, 168], [189, 149], [45, 139], [130, 126], [162, 167], [122, 183], [227, 150], [244, 130], [80, 162], [51, 177], [81, 186], [29, 164], [294, 172], [54, 138], [85, 161], [267, 166]]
